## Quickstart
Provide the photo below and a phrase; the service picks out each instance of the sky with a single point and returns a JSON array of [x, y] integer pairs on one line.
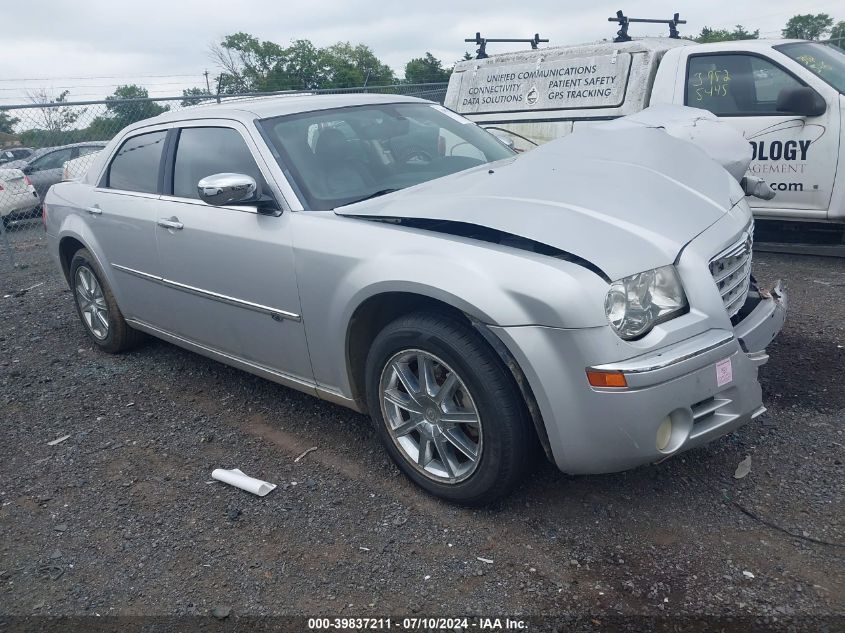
[[89, 47]]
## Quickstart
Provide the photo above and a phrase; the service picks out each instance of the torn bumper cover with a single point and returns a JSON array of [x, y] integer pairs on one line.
[[763, 320], [678, 397]]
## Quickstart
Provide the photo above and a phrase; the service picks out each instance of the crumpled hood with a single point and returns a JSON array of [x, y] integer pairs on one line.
[[626, 200]]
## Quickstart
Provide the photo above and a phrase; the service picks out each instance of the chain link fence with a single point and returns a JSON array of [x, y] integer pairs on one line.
[[52, 142]]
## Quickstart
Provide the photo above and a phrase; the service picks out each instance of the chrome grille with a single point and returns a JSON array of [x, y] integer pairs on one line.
[[731, 270]]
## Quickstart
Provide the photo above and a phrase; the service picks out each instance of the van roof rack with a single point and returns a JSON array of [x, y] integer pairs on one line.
[[624, 21], [482, 43]]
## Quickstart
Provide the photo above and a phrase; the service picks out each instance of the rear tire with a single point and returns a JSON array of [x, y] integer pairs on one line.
[[428, 375], [97, 309]]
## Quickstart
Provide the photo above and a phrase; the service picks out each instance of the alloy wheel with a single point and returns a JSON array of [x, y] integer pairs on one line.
[[92, 303], [431, 416]]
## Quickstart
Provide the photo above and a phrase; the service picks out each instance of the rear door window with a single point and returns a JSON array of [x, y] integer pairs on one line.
[[205, 151], [53, 160], [135, 166]]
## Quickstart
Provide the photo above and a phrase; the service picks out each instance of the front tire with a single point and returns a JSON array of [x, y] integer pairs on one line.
[[97, 308], [447, 411]]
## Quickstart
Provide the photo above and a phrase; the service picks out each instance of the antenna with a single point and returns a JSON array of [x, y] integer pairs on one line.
[[624, 22], [481, 52]]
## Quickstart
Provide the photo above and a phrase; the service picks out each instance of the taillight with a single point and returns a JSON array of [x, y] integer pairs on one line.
[[1, 187], [27, 180], [44, 215]]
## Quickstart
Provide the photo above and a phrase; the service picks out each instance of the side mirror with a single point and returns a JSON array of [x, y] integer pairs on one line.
[[802, 101], [221, 189], [503, 137], [27, 169]]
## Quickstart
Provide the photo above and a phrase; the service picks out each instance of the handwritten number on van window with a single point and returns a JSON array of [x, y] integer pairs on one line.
[[716, 84]]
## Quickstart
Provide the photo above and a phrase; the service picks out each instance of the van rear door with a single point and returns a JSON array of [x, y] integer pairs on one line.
[[537, 95]]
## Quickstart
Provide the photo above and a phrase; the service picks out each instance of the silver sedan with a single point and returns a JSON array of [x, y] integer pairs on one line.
[[591, 300]]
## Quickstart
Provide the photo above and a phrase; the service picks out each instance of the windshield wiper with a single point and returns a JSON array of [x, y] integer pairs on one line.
[[376, 194]]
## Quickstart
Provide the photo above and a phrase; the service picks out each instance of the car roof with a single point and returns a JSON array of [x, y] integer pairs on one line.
[[247, 109], [46, 150]]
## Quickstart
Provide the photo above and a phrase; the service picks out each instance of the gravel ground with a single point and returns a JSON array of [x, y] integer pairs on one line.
[[122, 518]]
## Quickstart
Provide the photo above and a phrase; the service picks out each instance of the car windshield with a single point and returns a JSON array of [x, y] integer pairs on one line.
[[824, 60], [344, 155]]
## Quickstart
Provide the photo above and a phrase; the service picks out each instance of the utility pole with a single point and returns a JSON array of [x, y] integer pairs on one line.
[[207, 85]]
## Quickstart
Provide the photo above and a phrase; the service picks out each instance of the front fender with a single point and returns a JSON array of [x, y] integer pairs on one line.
[[343, 262]]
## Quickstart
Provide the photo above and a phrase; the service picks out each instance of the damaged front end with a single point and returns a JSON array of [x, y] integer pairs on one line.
[[761, 318]]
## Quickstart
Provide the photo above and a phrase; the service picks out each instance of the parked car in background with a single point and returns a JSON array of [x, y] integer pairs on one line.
[[76, 168], [14, 153], [590, 297], [45, 166], [18, 198]]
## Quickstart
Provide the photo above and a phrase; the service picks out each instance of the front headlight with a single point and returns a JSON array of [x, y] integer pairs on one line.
[[637, 303]]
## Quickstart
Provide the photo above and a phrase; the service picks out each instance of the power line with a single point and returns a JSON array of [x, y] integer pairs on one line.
[[145, 85], [98, 77]]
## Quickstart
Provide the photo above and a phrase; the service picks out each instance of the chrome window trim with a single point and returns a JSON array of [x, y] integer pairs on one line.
[[276, 313], [127, 192], [200, 203]]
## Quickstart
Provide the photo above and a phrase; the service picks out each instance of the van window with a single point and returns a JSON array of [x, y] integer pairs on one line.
[[135, 166], [826, 61], [204, 151], [736, 84]]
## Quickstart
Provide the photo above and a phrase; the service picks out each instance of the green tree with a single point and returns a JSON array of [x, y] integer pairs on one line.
[[54, 122], [808, 26], [724, 35], [102, 128], [191, 96], [837, 34], [126, 105], [428, 69], [54, 117], [7, 123], [303, 65], [249, 64], [347, 66]]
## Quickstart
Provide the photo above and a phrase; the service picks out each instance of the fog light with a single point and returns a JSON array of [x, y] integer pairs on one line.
[[664, 433]]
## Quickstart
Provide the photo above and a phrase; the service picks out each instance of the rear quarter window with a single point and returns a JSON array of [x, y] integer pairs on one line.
[[136, 164]]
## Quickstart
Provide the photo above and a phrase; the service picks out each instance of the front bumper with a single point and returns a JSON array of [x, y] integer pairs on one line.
[[600, 430]]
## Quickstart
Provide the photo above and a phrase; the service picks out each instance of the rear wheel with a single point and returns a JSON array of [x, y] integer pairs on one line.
[[447, 411], [97, 308]]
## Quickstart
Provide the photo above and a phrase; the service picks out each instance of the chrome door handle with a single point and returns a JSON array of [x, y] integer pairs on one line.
[[95, 210], [171, 224]]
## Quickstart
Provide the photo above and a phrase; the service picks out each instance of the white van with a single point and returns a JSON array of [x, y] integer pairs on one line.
[[785, 96]]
